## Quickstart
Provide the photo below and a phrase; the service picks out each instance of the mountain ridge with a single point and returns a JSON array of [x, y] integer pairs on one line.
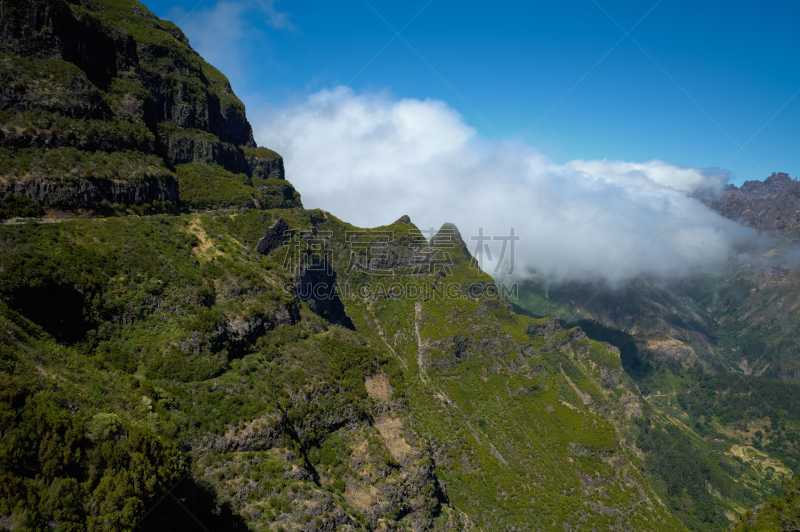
[[769, 205], [190, 345]]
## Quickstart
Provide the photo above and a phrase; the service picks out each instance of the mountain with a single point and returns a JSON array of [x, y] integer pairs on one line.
[[183, 345], [105, 108], [771, 205], [740, 318], [716, 351]]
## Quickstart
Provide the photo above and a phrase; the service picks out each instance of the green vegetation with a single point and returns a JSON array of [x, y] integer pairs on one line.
[[51, 85], [776, 515], [93, 122], [275, 194], [49, 130], [690, 475], [158, 363], [206, 352], [634, 364], [19, 207], [213, 187], [75, 454], [70, 164]]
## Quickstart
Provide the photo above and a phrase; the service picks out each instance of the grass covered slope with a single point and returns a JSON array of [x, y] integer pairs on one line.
[[437, 413], [716, 443]]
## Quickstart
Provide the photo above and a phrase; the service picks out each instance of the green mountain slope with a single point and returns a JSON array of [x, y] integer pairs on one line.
[[445, 413], [715, 354], [259, 366]]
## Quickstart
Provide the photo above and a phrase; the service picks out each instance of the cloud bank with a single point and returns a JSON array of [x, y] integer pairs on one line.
[[369, 158]]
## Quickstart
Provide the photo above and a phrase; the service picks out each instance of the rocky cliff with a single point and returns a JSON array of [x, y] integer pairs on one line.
[[770, 205], [103, 104]]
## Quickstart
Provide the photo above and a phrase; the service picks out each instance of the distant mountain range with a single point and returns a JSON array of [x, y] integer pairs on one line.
[[771, 205]]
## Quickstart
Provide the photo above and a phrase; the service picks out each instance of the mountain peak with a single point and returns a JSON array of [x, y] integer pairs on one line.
[[449, 237], [773, 185]]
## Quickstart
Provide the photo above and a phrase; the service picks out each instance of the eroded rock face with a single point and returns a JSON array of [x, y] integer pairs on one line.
[[274, 237], [91, 193], [772, 204], [112, 77], [671, 350], [49, 85], [193, 146], [546, 327], [264, 164], [317, 287], [775, 184]]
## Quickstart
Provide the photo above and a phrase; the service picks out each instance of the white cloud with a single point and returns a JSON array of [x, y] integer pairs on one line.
[[368, 159]]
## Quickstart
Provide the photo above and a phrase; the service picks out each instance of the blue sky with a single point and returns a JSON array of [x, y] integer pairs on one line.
[[725, 70]]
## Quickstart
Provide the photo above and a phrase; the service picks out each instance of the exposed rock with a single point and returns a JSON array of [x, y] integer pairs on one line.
[[316, 286], [91, 193], [772, 204], [49, 85], [193, 146], [378, 388], [277, 194], [264, 163], [274, 237], [34, 130], [118, 64], [773, 185], [260, 434], [671, 350], [546, 327], [576, 334]]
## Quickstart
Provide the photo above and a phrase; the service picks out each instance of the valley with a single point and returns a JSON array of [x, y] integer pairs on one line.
[[184, 345]]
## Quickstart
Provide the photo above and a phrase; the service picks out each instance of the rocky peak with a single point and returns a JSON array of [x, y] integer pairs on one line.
[[449, 239], [773, 185], [770, 205]]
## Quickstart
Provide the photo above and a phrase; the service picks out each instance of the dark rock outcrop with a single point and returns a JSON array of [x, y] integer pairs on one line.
[[51, 85], [110, 76], [775, 184], [186, 90], [194, 146], [264, 163], [546, 327], [274, 237], [95, 193], [315, 284]]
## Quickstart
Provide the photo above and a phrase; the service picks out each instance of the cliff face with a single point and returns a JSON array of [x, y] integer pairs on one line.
[[84, 79], [111, 41], [771, 205]]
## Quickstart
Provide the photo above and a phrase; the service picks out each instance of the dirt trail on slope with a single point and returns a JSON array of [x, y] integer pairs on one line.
[[420, 347]]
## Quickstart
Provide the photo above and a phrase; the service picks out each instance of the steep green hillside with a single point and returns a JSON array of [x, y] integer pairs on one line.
[[778, 514], [445, 412], [691, 347], [226, 359]]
